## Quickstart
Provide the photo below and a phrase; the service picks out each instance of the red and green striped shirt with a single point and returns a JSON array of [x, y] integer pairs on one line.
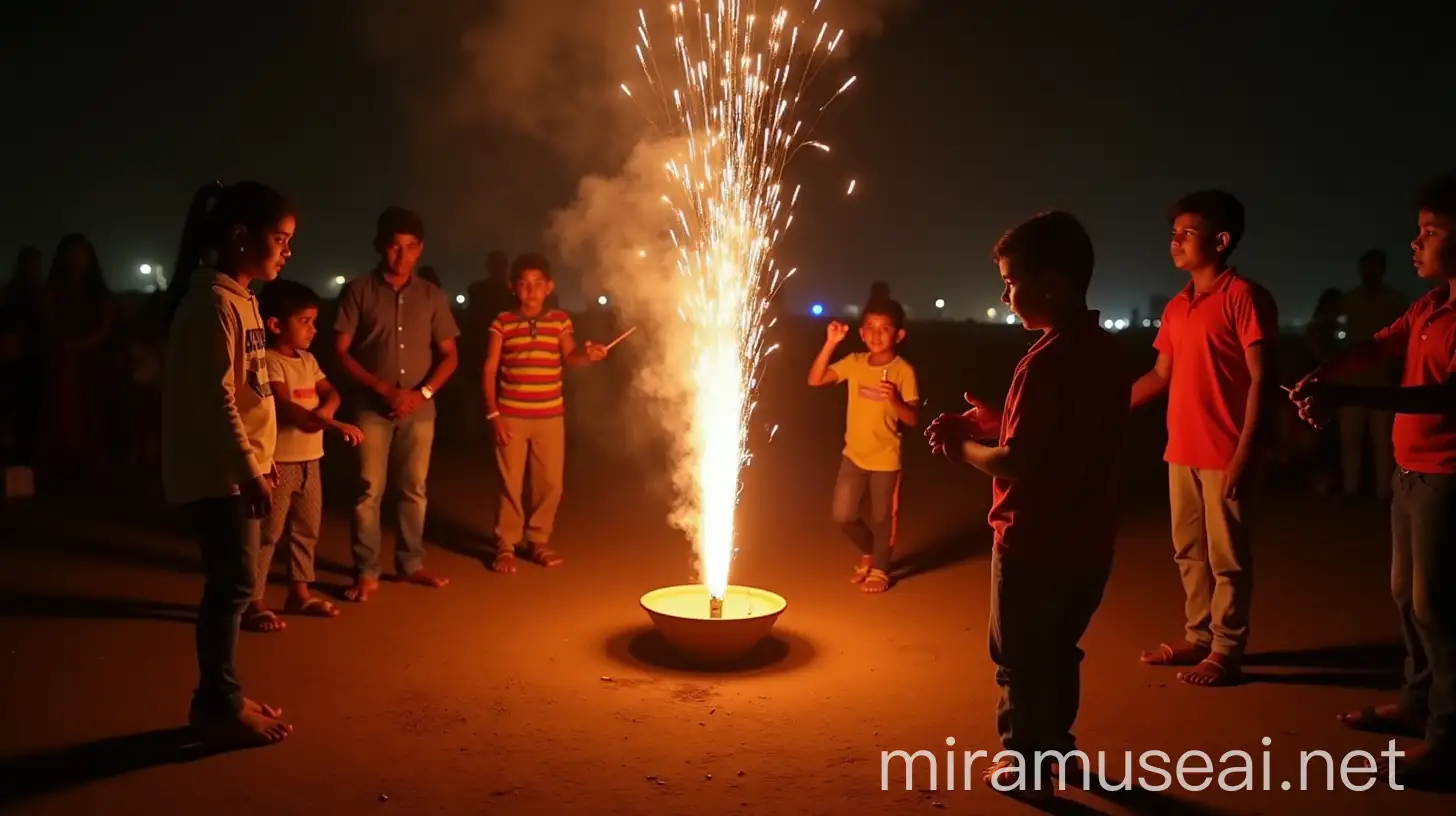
[[529, 384]]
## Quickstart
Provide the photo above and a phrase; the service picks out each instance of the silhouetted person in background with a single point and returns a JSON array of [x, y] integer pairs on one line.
[[22, 356], [79, 315], [1367, 309]]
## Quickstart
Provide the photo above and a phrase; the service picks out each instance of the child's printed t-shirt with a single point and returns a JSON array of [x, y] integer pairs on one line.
[[871, 429], [301, 376]]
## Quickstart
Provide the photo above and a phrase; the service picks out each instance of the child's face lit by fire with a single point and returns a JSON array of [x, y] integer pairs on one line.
[[532, 288], [264, 254], [1028, 294], [879, 333], [1433, 252], [298, 331]]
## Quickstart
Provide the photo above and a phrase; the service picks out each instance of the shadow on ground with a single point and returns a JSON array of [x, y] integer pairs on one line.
[[644, 648], [83, 606], [1372, 666], [37, 774]]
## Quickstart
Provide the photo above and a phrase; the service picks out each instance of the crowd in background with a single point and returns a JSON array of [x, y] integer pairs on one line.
[[82, 365]]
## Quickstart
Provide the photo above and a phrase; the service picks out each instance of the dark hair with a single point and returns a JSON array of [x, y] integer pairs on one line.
[[283, 298], [398, 221], [215, 214], [1438, 196], [527, 262], [1050, 243], [1220, 211], [880, 303], [1329, 302], [1373, 256], [93, 281]]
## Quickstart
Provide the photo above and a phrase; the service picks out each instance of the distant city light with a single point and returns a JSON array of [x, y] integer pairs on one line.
[[146, 269], [1158, 324], [1119, 324], [1340, 335], [817, 309], [1147, 323], [602, 300], [940, 303], [339, 280], [1107, 324], [991, 314], [1011, 320], [460, 299]]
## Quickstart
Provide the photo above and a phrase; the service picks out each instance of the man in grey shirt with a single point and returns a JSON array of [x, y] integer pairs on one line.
[[395, 340]]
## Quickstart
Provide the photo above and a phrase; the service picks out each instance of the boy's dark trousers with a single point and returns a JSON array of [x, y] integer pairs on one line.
[[1423, 584], [1039, 612], [875, 538], [230, 542]]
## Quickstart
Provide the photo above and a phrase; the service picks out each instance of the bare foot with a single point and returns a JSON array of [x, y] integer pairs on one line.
[[1215, 670], [362, 589], [862, 571], [423, 577], [877, 581], [246, 729], [262, 708], [1184, 654], [1383, 719]]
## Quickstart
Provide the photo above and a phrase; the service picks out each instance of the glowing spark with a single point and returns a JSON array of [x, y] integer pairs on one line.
[[731, 97], [851, 187]]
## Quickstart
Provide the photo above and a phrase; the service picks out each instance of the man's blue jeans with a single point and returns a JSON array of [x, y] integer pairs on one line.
[[398, 452]]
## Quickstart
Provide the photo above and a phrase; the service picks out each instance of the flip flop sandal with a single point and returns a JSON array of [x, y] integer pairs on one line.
[[875, 582], [264, 621], [545, 556], [504, 563], [861, 572], [314, 608], [1217, 673]]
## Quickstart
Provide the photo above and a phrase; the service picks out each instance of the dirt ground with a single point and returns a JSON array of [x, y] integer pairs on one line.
[[548, 692]]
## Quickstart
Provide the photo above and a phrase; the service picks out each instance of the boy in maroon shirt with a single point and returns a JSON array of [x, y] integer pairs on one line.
[[1211, 363], [1423, 505], [1054, 491]]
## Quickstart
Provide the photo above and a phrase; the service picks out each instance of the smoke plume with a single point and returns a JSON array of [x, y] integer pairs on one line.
[[547, 76]]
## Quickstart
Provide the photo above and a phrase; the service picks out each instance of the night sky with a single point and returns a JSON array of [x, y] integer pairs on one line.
[[967, 116]]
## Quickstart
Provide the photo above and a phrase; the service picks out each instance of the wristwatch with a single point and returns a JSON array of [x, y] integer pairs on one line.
[[427, 392]]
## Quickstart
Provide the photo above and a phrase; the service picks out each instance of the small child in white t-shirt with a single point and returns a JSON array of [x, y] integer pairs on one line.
[[306, 403]]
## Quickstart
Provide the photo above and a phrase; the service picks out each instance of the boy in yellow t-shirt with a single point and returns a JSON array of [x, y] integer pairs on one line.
[[882, 396]]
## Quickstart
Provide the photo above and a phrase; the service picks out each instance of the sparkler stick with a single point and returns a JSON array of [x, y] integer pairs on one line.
[[621, 337], [730, 90]]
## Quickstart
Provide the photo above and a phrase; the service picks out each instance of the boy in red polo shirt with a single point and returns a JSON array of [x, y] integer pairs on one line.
[[1054, 466], [1423, 505], [1211, 361]]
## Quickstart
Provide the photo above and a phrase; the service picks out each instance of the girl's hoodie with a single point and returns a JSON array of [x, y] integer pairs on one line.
[[219, 426]]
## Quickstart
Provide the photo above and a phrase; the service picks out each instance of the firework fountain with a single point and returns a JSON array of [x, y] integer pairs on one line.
[[731, 91]]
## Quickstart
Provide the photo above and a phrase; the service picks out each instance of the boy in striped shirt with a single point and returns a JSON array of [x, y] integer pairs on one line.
[[528, 349]]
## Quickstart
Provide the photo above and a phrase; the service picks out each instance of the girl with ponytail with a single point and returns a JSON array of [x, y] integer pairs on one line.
[[219, 429]]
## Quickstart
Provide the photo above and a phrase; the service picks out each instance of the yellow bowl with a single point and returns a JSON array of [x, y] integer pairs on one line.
[[680, 614]]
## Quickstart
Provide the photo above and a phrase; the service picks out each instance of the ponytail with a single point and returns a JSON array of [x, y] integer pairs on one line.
[[189, 249], [215, 214]]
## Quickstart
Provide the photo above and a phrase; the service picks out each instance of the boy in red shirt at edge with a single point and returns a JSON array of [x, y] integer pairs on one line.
[[1054, 466], [1211, 362], [1423, 505]]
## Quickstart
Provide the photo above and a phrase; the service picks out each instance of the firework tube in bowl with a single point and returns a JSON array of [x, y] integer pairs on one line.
[[684, 615]]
